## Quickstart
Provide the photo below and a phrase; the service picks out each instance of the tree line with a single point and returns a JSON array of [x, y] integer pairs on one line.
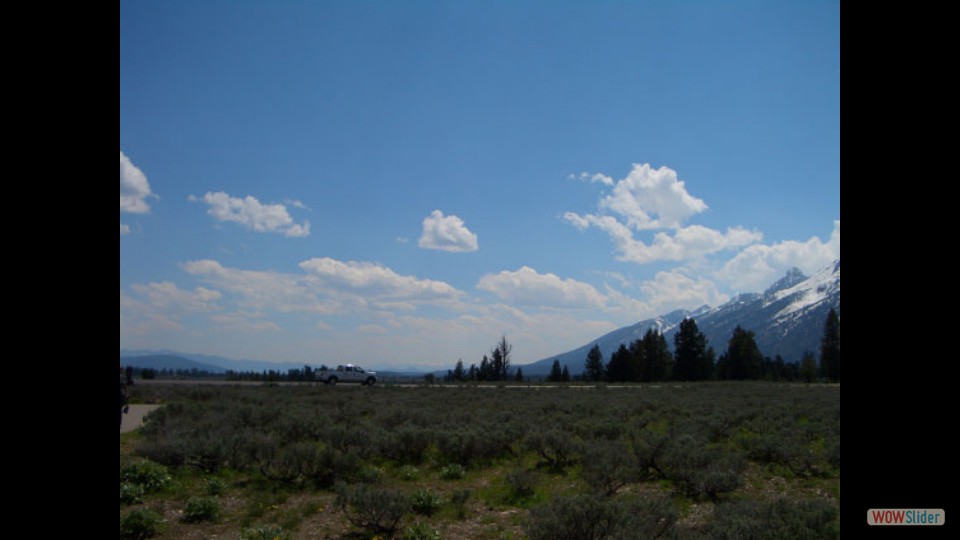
[[649, 359]]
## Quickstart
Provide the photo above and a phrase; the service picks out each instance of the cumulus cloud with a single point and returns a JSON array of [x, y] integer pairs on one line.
[[447, 233], [759, 265], [676, 290], [167, 295], [375, 280], [253, 214], [134, 188], [651, 198], [597, 178], [683, 244], [528, 287], [124, 229]]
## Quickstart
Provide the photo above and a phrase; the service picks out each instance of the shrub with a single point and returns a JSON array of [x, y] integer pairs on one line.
[[408, 473], [605, 467], [697, 469], [377, 511], [264, 532], [201, 509], [421, 531], [150, 476], [523, 484], [216, 486], [806, 519], [459, 501], [425, 502], [556, 448], [454, 471], [139, 524], [131, 493], [591, 517]]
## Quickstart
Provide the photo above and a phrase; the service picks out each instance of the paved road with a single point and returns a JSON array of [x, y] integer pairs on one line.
[[134, 418]]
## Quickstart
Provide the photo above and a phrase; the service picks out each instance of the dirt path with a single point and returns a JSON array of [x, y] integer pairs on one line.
[[134, 418]]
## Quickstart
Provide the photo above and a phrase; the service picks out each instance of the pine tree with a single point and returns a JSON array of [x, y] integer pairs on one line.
[[565, 374], [690, 350], [519, 376], [593, 367], [555, 374], [743, 358], [458, 372], [657, 355], [830, 347], [485, 373], [618, 369], [501, 359], [808, 367]]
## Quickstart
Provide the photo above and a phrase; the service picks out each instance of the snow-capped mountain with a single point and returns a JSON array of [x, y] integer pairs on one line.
[[787, 319]]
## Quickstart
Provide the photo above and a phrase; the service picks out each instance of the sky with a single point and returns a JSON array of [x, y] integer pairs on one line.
[[399, 184]]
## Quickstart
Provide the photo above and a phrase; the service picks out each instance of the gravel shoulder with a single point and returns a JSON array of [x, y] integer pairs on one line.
[[134, 418]]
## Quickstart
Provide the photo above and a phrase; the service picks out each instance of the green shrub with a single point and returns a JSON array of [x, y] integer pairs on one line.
[[523, 484], [201, 509], [606, 467], [806, 519], [131, 493], [140, 524], [375, 510], [264, 532], [698, 469], [425, 502], [459, 501], [408, 473], [591, 517], [215, 487], [150, 476], [454, 471], [421, 531], [556, 448]]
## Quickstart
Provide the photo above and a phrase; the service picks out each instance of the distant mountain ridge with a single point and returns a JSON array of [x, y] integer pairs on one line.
[[787, 319]]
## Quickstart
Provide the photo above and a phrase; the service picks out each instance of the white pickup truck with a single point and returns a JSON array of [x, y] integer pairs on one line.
[[348, 373]]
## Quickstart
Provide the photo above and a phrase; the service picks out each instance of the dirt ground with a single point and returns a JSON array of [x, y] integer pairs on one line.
[[134, 417]]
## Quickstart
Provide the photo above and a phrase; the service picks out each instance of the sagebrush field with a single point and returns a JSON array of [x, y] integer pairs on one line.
[[687, 460]]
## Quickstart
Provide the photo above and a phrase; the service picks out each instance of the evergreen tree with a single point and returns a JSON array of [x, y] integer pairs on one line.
[[485, 373], [657, 355], [830, 347], [565, 374], [743, 358], [808, 367], [690, 350], [519, 376], [458, 372], [472, 373], [593, 367], [638, 360], [707, 366], [555, 374], [619, 367]]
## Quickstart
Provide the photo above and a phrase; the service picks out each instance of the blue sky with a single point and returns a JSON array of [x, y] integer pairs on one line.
[[398, 184]]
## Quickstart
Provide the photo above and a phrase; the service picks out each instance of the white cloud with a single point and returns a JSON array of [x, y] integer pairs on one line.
[[124, 229], [597, 178], [375, 281], [262, 290], [652, 199], [447, 233], [675, 290], [684, 244], [166, 295], [253, 214], [134, 188], [528, 287], [759, 265]]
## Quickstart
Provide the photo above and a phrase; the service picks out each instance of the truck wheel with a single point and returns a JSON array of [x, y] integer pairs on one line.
[[332, 381], [371, 381]]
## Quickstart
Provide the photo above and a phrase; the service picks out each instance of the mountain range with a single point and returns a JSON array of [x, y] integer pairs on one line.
[[787, 320]]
